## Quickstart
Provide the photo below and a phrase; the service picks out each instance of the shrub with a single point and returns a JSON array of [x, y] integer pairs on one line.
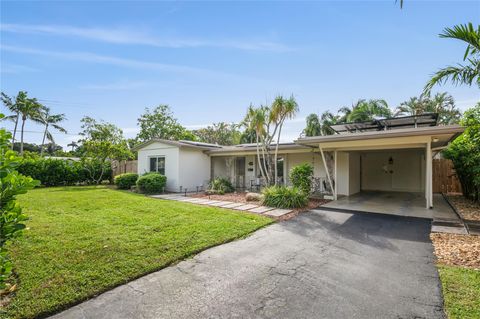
[[284, 197], [11, 216], [151, 183], [59, 172], [221, 185], [301, 177], [126, 181]]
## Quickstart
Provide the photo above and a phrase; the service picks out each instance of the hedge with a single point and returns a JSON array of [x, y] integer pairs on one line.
[[59, 172], [284, 197], [126, 180], [151, 183]]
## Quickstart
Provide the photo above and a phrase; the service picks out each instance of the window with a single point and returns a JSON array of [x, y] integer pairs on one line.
[[157, 164]]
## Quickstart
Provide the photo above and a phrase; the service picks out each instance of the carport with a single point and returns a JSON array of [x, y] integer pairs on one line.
[[384, 166]]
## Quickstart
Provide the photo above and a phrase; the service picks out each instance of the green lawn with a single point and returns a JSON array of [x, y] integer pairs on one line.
[[461, 291], [84, 240]]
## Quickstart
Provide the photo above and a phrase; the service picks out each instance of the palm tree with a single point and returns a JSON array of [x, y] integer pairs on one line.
[[73, 145], [51, 120], [414, 106], [30, 109], [444, 105], [327, 119], [13, 107], [255, 120], [313, 126], [365, 110], [468, 73], [282, 110]]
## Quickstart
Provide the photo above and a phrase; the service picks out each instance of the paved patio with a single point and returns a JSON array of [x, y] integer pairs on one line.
[[246, 207], [317, 265]]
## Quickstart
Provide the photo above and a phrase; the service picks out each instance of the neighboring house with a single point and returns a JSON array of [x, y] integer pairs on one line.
[[382, 155]]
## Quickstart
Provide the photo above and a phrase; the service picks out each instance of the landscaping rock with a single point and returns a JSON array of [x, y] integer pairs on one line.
[[253, 197]]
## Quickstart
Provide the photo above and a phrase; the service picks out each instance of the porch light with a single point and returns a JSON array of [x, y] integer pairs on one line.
[[435, 139]]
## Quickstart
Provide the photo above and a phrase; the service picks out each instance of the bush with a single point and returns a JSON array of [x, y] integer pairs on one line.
[[301, 177], [11, 216], [284, 197], [151, 183], [126, 181], [59, 172], [221, 185]]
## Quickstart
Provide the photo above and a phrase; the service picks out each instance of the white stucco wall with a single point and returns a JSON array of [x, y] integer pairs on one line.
[[354, 173], [408, 171], [171, 154], [194, 169], [295, 159]]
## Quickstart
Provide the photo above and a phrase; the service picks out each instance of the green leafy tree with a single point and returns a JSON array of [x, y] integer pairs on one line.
[[51, 121], [248, 136], [94, 130], [365, 110], [464, 152], [327, 119], [441, 103], [467, 73], [313, 126], [99, 153], [160, 123], [219, 133], [11, 216]]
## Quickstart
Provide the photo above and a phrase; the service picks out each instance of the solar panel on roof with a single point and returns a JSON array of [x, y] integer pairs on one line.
[[426, 119]]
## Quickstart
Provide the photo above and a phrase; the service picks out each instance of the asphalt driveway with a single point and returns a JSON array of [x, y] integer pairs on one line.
[[318, 265]]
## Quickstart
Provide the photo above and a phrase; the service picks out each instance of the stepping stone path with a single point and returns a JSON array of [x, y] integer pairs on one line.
[[251, 208]]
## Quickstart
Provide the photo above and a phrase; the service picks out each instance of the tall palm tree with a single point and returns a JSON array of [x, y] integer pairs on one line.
[[51, 120], [13, 105], [365, 110], [467, 73], [282, 109], [313, 126], [255, 120], [29, 110]]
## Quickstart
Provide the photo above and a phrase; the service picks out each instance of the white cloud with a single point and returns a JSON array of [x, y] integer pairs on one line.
[[135, 37], [105, 59], [16, 69], [120, 85]]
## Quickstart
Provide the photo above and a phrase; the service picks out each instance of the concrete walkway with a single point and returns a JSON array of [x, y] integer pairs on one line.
[[317, 265], [251, 208]]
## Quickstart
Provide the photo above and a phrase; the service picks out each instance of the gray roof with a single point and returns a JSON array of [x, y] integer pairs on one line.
[[181, 143]]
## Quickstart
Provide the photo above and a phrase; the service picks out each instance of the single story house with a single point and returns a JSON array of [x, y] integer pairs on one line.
[[390, 155]]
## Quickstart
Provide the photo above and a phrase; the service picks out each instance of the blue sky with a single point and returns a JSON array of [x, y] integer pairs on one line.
[[210, 60]]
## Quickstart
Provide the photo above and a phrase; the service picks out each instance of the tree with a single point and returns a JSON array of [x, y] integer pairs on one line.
[[267, 123], [365, 110], [73, 145], [442, 103], [13, 107], [467, 73], [98, 153], [11, 216], [100, 131], [29, 109], [464, 152], [160, 123], [313, 126], [248, 136], [327, 119], [219, 133], [281, 110], [51, 120]]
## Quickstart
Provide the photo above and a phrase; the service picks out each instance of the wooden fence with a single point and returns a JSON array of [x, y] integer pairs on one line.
[[444, 177], [120, 167]]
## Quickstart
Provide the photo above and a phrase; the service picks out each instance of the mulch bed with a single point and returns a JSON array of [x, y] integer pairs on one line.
[[457, 250], [465, 207], [240, 198]]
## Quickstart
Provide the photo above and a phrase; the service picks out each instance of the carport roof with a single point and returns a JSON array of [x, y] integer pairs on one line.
[[441, 135]]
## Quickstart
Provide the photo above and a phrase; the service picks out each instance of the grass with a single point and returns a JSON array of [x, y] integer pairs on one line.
[[82, 241], [461, 291]]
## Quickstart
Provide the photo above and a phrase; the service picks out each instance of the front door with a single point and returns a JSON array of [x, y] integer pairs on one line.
[[240, 172]]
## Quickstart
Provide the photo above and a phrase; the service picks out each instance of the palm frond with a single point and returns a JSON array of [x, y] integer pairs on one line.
[[466, 33], [465, 74]]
